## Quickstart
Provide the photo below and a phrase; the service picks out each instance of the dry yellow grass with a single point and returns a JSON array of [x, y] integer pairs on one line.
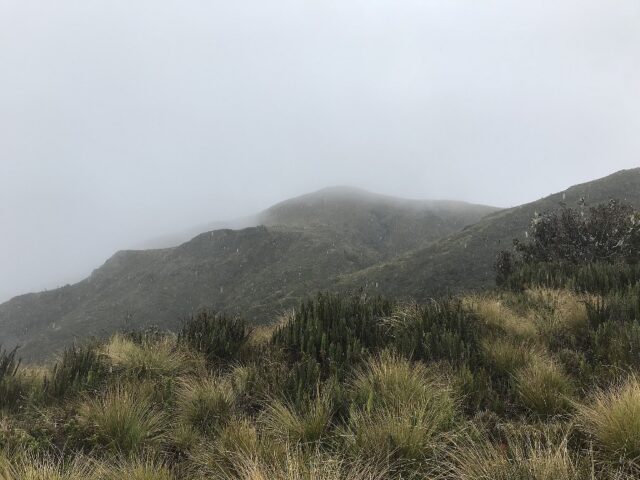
[[559, 310], [518, 459], [543, 387], [613, 420], [28, 467], [494, 313], [159, 358], [508, 355], [300, 465]]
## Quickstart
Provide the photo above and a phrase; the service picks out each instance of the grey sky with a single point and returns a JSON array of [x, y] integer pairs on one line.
[[122, 120]]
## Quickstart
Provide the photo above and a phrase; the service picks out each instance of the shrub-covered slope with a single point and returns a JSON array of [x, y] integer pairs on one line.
[[536, 385], [258, 270], [464, 260], [537, 381]]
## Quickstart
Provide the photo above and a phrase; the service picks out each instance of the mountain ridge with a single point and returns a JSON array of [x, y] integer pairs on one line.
[[475, 247], [257, 271], [333, 239]]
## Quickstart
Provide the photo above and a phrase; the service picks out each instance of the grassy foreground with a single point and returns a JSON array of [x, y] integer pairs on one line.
[[539, 384]]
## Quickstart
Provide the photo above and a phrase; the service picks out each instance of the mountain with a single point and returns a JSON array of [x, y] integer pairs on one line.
[[464, 260], [177, 238], [387, 226], [302, 245]]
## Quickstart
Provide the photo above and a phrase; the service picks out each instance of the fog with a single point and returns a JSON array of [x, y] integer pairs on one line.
[[123, 121]]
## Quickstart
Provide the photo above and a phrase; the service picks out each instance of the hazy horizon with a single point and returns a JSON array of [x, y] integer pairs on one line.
[[122, 122], [162, 239]]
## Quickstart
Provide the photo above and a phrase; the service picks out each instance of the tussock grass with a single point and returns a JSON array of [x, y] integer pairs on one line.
[[559, 312], [544, 388], [145, 467], [346, 388], [240, 435], [506, 355], [495, 314], [32, 467], [237, 441], [400, 410], [389, 436], [206, 404], [392, 381], [517, 458], [121, 420], [301, 465], [284, 423], [160, 358], [612, 419]]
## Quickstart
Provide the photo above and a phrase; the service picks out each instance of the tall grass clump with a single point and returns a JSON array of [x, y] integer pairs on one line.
[[496, 315], [518, 457], [544, 388], [159, 357], [237, 441], [612, 419], [206, 404], [561, 317], [399, 410], [308, 424], [39, 467], [121, 420], [505, 356], [144, 467], [296, 464]]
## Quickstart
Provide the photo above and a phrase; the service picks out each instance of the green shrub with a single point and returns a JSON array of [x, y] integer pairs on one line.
[[333, 330], [10, 387], [80, 368], [218, 337], [444, 330]]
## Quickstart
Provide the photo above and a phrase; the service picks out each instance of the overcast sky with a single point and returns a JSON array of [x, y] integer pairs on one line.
[[121, 120]]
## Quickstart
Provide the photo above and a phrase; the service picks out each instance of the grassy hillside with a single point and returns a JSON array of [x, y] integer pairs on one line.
[[258, 271], [537, 385], [536, 380], [464, 260]]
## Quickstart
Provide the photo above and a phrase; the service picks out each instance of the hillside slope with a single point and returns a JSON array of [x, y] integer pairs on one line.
[[465, 259], [258, 271]]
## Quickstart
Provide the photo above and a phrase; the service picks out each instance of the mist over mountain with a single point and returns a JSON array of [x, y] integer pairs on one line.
[[301, 245], [464, 260], [335, 239]]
